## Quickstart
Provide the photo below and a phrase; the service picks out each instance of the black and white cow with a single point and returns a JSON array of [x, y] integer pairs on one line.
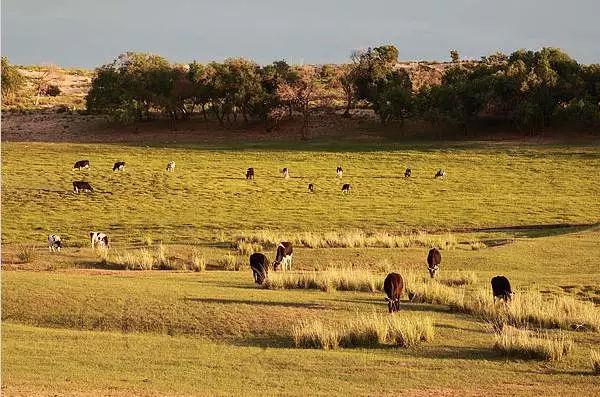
[[98, 239], [119, 166], [283, 256], [250, 173], [260, 267], [407, 173], [434, 258], [440, 174], [286, 173], [82, 186], [81, 164], [346, 188], [339, 171], [311, 188], [501, 288], [171, 166], [54, 242]]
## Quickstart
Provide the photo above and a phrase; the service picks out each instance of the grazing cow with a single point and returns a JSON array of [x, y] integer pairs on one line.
[[339, 171], [434, 258], [407, 173], [501, 288], [260, 267], [440, 174], [283, 256], [82, 186], [54, 243], [171, 166], [311, 188], [81, 164], [250, 173], [346, 188], [286, 173], [393, 285], [119, 166], [99, 239]]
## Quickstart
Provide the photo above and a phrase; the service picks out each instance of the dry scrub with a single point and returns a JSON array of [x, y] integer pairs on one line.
[[404, 330], [351, 239], [26, 253], [528, 344]]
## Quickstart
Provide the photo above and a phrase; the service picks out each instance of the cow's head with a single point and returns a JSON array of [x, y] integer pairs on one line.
[[393, 304], [433, 270], [276, 263]]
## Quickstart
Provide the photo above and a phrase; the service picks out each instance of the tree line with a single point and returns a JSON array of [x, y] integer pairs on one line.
[[530, 89]]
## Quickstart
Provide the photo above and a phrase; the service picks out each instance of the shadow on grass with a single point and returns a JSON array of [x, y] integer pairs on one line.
[[458, 353], [258, 303], [541, 230]]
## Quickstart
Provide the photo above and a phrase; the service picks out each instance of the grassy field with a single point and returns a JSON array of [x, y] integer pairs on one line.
[[70, 326]]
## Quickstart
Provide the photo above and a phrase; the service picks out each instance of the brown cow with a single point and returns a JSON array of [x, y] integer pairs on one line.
[[393, 287], [434, 258]]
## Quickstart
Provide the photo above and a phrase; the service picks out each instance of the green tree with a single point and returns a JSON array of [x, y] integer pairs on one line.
[[12, 80]]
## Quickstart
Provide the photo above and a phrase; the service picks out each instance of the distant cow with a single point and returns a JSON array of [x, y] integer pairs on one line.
[[440, 174], [393, 285], [339, 171], [283, 256], [54, 243], [286, 173], [82, 186], [98, 239], [81, 164], [250, 173], [311, 188], [407, 173], [171, 166], [434, 258], [260, 267], [119, 166], [501, 288], [346, 188]]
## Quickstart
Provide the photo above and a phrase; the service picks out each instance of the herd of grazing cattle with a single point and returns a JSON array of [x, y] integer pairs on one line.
[[393, 284]]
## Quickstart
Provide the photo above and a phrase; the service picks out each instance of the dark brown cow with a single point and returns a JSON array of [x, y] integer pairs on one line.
[[407, 173], [434, 258], [346, 188], [440, 174], [260, 267], [311, 188], [501, 288], [82, 186], [250, 173], [119, 166], [81, 164], [393, 285]]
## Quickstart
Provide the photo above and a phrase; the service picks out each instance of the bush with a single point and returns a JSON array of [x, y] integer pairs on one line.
[[526, 344]]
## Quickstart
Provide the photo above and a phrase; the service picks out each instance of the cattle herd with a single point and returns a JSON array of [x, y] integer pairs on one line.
[[393, 284]]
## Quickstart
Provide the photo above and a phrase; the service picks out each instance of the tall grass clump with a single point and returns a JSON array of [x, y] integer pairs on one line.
[[595, 361], [459, 278], [26, 253], [230, 262], [197, 261], [326, 280], [248, 248], [141, 259], [528, 344], [351, 239], [315, 335], [400, 329]]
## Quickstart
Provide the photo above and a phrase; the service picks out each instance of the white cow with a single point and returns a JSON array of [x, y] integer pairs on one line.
[[171, 166], [54, 243], [286, 173], [98, 239]]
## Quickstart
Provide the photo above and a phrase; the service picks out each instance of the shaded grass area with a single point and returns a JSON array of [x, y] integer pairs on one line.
[[207, 194]]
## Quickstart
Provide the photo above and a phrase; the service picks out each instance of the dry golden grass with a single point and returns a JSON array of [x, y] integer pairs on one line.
[[525, 309], [327, 280], [248, 248], [197, 261], [528, 344], [459, 278], [351, 239], [401, 329], [595, 361], [26, 253]]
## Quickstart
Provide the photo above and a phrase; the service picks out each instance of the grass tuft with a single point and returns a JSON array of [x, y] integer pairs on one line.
[[326, 280], [403, 330], [528, 344], [595, 361], [26, 253]]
